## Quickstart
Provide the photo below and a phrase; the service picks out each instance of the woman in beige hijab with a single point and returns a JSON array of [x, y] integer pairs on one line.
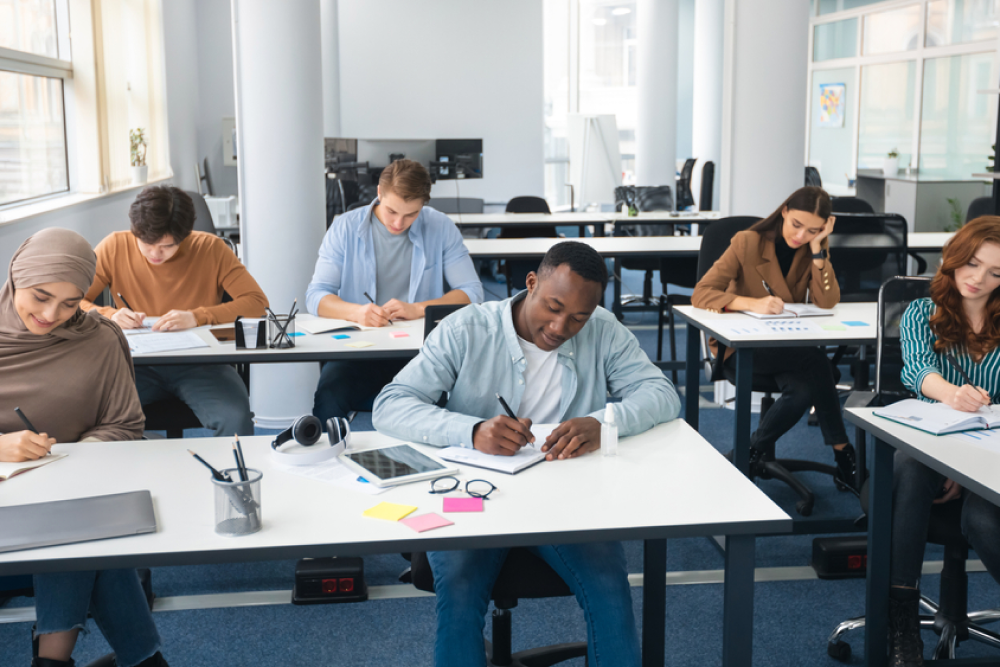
[[70, 372]]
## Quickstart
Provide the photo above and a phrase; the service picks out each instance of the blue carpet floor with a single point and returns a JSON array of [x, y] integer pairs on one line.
[[792, 618]]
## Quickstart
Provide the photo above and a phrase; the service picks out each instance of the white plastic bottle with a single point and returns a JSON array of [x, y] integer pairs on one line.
[[609, 432]]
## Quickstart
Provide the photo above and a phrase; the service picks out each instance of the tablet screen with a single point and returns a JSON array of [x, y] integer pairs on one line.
[[392, 462]]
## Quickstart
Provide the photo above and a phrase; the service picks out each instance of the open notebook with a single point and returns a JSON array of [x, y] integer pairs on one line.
[[793, 310], [325, 325], [938, 418], [8, 470], [524, 458]]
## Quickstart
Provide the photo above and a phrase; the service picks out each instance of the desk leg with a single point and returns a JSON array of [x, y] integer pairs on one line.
[[744, 382], [599, 229], [692, 375], [737, 613], [654, 601], [879, 542]]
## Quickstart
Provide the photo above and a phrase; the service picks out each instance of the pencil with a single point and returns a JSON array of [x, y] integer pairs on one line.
[[961, 371], [122, 299], [241, 463], [26, 421], [215, 473]]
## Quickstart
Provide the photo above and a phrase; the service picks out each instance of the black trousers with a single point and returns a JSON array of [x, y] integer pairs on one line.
[[805, 377]]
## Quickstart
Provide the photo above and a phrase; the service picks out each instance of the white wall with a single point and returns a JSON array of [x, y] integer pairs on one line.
[[181, 64], [439, 69], [685, 81], [216, 98]]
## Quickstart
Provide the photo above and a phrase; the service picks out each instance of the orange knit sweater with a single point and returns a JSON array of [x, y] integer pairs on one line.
[[193, 279]]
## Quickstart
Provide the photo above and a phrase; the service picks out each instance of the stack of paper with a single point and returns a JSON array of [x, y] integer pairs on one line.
[[165, 342]]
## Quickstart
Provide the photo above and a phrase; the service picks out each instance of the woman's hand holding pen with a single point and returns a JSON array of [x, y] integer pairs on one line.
[[769, 305], [969, 398], [127, 319], [572, 438], [24, 446], [502, 435]]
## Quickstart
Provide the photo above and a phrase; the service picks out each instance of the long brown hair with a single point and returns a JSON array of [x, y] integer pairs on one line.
[[949, 322], [809, 199]]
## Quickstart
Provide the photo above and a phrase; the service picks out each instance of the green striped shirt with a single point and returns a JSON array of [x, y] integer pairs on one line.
[[920, 360]]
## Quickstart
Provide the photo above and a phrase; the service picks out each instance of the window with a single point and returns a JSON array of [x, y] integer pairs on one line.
[[33, 159]]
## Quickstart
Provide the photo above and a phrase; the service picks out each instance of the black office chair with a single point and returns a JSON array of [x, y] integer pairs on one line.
[[203, 219], [980, 206], [23, 586], [644, 198], [171, 415], [949, 619], [516, 270], [523, 576], [707, 186], [715, 242], [434, 314], [685, 197], [812, 177], [851, 205]]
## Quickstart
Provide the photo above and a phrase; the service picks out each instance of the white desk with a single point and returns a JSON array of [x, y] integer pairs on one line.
[[927, 241], [713, 324], [645, 493], [308, 347], [975, 467], [623, 246]]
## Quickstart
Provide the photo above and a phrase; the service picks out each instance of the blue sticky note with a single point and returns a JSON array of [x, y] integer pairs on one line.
[[856, 324], [340, 336], [297, 333]]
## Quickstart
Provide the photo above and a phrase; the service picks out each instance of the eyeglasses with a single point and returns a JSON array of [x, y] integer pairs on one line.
[[477, 488]]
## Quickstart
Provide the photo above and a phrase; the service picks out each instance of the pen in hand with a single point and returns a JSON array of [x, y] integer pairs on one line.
[[26, 421], [367, 296], [767, 287], [965, 376], [510, 413]]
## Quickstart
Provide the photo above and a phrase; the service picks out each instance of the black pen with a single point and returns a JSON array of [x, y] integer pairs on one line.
[[215, 473], [122, 299], [27, 422], [241, 465], [373, 301], [954, 362], [505, 406], [767, 287]]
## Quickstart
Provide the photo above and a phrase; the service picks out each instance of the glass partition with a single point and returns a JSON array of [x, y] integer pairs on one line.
[[887, 113], [960, 21], [835, 40], [831, 124], [892, 31]]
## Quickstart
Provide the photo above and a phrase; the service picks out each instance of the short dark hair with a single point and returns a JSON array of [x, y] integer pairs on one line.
[[408, 179], [160, 210], [582, 259]]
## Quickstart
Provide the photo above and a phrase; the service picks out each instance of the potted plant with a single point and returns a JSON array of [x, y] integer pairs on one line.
[[137, 147], [890, 164]]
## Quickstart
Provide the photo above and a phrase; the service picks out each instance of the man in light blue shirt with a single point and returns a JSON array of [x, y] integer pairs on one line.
[[555, 356], [401, 254]]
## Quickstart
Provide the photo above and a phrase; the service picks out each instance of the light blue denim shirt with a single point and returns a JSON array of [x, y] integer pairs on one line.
[[346, 264], [473, 354]]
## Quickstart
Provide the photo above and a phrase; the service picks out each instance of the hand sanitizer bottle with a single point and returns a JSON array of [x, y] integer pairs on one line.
[[609, 433]]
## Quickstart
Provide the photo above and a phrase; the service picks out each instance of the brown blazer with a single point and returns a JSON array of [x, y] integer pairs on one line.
[[748, 261]]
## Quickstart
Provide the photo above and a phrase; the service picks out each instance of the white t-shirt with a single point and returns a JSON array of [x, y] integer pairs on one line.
[[542, 384]]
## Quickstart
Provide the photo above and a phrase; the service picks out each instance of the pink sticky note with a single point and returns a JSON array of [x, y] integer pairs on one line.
[[463, 504], [427, 522], [399, 334]]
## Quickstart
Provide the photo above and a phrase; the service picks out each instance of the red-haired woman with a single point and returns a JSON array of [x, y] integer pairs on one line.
[[782, 259], [961, 318]]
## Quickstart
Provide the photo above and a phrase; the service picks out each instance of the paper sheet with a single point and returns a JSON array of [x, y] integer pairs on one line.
[[389, 511], [732, 328], [987, 439], [336, 473], [147, 327], [165, 342]]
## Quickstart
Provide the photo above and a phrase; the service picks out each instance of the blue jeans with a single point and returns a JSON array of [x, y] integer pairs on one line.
[[114, 598], [915, 486], [216, 394], [596, 573]]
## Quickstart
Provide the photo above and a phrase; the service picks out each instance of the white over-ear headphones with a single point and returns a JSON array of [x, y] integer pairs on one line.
[[306, 432]]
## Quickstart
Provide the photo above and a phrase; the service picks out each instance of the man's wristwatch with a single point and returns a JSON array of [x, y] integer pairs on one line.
[[822, 254]]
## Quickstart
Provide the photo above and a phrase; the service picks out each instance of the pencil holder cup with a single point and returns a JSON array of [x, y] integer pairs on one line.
[[281, 332], [237, 503]]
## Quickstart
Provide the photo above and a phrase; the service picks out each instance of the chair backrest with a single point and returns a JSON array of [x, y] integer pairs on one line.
[[851, 205], [707, 186], [654, 198], [866, 249], [685, 197], [716, 238], [979, 206], [894, 297], [202, 216], [528, 205], [812, 177], [457, 204], [624, 194], [434, 314]]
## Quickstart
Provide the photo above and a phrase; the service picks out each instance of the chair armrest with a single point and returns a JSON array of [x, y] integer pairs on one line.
[[860, 399], [921, 262]]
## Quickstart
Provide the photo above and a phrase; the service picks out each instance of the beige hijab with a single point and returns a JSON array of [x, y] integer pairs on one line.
[[76, 381]]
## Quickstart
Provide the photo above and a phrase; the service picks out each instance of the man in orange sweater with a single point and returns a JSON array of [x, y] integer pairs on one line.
[[164, 269]]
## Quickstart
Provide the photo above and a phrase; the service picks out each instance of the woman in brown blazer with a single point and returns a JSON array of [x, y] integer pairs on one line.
[[782, 259]]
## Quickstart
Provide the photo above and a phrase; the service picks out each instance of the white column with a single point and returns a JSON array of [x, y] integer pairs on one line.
[[180, 45], [656, 85], [764, 104], [331, 67], [279, 120], [706, 125]]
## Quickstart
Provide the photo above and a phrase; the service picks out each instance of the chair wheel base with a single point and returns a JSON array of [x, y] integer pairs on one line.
[[838, 650], [804, 507]]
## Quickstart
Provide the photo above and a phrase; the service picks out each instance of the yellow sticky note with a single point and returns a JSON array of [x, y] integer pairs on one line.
[[389, 511], [360, 343]]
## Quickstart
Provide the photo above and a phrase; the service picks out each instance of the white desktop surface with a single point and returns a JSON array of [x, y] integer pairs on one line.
[[308, 347], [667, 482], [929, 241], [974, 466], [670, 217], [621, 246], [866, 312], [513, 219]]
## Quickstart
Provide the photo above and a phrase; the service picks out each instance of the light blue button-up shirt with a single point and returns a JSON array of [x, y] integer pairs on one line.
[[473, 354], [346, 264]]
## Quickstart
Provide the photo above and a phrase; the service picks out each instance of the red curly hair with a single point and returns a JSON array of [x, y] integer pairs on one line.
[[949, 322]]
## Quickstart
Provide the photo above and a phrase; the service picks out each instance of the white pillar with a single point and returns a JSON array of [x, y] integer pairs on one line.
[[279, 120], [180, 47], [656, 85], [331, 67], [765, 65], [706, 125]]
